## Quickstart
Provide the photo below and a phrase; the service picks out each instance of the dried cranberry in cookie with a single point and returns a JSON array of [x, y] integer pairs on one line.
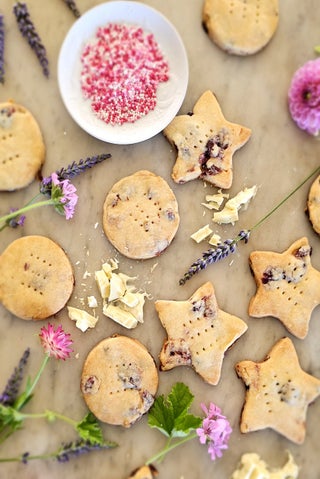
[[119, 380], [205, 143], [140, 215]]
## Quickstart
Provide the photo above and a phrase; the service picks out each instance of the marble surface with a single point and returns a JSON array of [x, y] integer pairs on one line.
[[251, 91]]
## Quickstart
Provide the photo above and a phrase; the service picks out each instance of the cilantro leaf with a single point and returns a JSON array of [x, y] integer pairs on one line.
[[89, 429], [170, 415]]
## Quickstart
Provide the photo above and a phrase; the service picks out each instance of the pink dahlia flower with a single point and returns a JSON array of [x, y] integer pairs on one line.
[[304, 97]]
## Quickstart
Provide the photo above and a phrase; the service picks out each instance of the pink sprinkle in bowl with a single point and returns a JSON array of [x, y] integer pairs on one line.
[[170, 94]]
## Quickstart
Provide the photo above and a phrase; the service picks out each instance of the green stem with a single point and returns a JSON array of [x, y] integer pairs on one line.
[[24, 209], [317, 170], [169, 447], [50, 415], [28, 458], [29, 389]]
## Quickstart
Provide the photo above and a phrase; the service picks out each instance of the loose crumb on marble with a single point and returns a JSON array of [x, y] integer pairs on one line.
[[153, 267]]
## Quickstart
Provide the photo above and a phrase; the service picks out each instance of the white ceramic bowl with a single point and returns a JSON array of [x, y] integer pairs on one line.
[[170, 94]]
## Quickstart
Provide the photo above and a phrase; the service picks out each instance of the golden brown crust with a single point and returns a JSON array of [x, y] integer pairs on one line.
[[22, 150], [144, 472], [36, 277], [140, 215], [278, 393], [205, 143], [288, 287], [313, 205], [199, 333], [119, 380], [240, 27]]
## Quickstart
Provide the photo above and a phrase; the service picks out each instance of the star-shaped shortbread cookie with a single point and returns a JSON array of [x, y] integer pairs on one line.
[[288, 287], [199, 333], [205, 142], [278, 393]]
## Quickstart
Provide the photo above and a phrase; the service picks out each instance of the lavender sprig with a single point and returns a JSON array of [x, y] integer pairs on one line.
[[57, 187], [213, 255], [1, 49], [71, 4], [222, 250], [28, 31], [72, 170], [66, 452], [11, 391], [79, 447]]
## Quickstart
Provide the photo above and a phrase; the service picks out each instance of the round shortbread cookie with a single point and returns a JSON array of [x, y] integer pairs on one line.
[[140, 215], [22, 150], [36, 277], [240, 27], [119, 380], [313, 205]]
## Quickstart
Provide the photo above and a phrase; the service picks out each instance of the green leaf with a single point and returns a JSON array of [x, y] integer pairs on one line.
[[185, 424], [10, 421], [90, 430], [161, 416], [181, 399], [170, 415]]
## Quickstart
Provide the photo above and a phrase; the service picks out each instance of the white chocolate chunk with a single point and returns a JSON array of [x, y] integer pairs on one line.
[[103, 283], [242, 198], [117, 287], [229, 214], [120, 316], [226, 216], [215, 240], [92, 302], [137, 310], [109, 267], [215, 201], [253, 467], [130, 299], [83, 319], [201, 234]]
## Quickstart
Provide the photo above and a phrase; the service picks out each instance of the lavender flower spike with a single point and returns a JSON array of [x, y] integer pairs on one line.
[[213, 255], [71, 171], [79, 447], [76, 168], [71, 4], [28, 31], [1, 49], [10, 393]]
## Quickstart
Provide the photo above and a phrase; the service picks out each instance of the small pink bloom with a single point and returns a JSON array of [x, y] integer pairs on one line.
[[215, 431], [304, 97], [68, 198], [55, 342]]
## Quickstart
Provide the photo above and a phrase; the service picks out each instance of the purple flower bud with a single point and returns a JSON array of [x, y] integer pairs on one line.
[[71, 4]]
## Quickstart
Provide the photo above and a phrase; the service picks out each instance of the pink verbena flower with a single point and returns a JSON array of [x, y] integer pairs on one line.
[[304, 97], [215, 431], [56, 343], [64, 195]]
